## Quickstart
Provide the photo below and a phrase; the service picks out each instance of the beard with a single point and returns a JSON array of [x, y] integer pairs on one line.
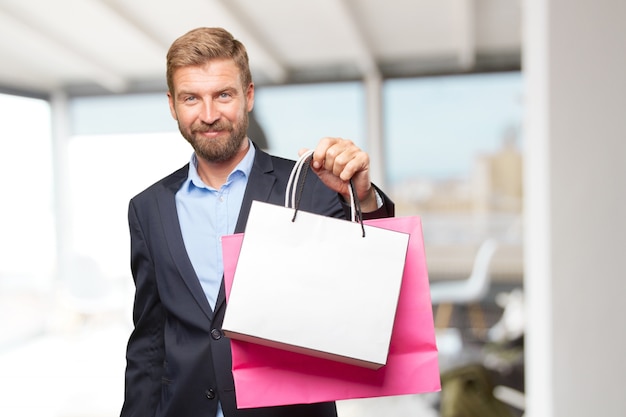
[[221, 148]]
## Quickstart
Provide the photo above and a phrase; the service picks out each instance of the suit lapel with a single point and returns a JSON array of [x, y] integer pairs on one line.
[[169, 219], [260, 186]]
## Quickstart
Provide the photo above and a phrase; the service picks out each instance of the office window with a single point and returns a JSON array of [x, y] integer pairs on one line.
[[453, 149], [454, 144], [27, 243], [297, 116]]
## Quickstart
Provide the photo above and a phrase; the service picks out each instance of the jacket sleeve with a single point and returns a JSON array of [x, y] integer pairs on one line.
[[387, 209], [145, 350]]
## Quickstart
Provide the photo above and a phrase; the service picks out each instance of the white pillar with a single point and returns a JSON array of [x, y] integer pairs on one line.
[[62, 207], [575, 189], [373, 96]]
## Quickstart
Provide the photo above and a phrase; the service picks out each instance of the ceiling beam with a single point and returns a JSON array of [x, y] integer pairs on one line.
[[123, 14], [98, 71], [275, 70], [366, 61], [467, 34]]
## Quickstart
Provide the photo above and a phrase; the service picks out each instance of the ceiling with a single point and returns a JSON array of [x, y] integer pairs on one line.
[[119, 46]]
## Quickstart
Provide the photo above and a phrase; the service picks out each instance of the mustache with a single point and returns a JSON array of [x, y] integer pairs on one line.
[[212, 127]]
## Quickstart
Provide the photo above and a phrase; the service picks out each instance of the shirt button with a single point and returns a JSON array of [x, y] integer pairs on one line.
[[216, 334], [210, 393]]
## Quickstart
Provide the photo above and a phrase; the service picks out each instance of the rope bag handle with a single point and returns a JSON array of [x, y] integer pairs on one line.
[[295, 185]]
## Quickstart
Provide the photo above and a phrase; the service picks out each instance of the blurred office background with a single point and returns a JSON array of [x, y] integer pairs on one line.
[[493, 120]]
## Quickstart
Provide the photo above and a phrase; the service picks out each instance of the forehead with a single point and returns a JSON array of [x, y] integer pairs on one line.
[[216, 74]]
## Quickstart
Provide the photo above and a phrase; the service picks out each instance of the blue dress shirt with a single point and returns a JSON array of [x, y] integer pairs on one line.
[[205, 215]]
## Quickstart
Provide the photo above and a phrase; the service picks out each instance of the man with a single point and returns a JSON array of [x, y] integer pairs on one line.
[[178, 360]]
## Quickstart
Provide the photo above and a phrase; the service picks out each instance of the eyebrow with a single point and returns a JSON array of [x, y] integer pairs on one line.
[[231, 90]]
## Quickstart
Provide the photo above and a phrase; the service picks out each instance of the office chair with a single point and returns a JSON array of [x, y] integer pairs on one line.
[[470, 291]]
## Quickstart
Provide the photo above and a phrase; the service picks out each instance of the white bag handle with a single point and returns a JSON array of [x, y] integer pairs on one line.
[[294, 178], [292, 191]]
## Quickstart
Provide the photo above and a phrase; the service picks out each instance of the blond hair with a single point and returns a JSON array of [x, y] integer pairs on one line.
[[199, 46]]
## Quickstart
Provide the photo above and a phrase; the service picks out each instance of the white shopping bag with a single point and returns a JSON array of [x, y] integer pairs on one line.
[[317, 285]]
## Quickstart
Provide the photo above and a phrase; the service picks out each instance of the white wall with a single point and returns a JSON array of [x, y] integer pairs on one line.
[[575, 69]]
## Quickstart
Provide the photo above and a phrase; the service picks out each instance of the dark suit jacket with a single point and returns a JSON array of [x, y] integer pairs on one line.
[[178, 360]]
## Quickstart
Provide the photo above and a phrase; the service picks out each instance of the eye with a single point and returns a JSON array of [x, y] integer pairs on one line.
[[225, 96], [189, 99]]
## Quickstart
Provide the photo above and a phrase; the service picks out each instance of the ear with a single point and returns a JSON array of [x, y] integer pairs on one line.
[[170, 100], [250, 97]]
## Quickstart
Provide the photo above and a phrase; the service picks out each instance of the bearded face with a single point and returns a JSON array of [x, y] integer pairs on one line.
[[224, 144], [211, 107]]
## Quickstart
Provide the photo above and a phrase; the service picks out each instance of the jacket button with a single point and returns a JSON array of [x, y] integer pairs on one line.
[[216, 334], [210, 393]]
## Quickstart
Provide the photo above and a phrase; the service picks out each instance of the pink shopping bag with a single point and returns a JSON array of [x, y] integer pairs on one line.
[[266, 376]]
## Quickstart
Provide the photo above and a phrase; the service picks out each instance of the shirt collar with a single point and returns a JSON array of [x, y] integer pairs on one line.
[[244, 167]]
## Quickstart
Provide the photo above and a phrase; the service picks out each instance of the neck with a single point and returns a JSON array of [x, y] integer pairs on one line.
[[215, 174]]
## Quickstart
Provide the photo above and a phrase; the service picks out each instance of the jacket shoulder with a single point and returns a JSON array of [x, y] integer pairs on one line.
[[171, 182]]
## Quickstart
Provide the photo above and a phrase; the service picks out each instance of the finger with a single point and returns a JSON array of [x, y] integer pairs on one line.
[[320, 153], [338, 155], [348, 159], [356, 163]]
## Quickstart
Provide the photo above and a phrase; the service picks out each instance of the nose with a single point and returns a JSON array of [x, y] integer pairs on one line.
[[209, 112]]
